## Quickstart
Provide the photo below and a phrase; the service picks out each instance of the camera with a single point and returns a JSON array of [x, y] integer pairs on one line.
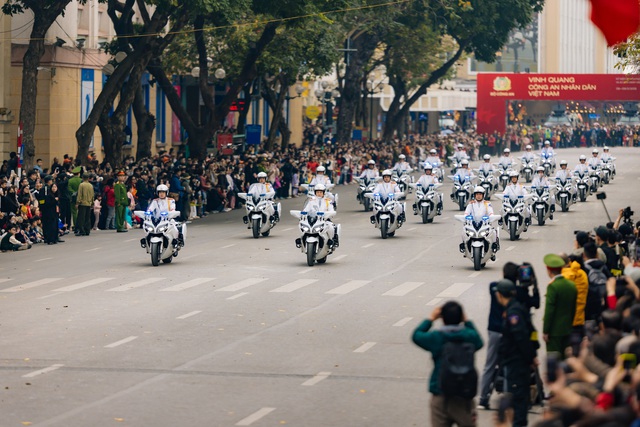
[[525, 275], [627, 213]]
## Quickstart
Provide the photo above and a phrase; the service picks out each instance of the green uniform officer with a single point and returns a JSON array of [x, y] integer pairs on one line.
[[72, 191], [560, 306], [122, 201]]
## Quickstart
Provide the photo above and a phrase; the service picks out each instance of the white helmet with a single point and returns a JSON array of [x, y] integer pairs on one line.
[[582, 157], [563, 162], [605, 148], [464, 162], [486, 157], [371, 162], [478, 189], [162, 187], [540, 169], [460, 145], [262, 175], [513, 174], [547, 142], [319, 187], [320, 169], [432, 151], [528, 147], [387, 172], [402, 156], [506, 150], [428, 166], [595, 151]]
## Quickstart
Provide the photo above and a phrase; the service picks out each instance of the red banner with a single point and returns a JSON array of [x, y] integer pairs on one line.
[[495, 90]]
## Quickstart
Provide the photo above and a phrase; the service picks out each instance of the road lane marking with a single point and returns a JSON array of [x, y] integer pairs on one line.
[[91, 250], [535, 231], [348, 287], [403, 289], [228, 246], [117, 343], [81, 285], [43, 259], [434, 301], [188, 284], [455, 290], [255, 416], [475, 274], [31, 284], [242, 284], [241, 294], [563, 214], [139, 283], [4, 280], [403, 322], [43, 371], [510, 248], [364, 347], [339, 257], [184, 316], [444, 218], [321, 376], [295, 285], [368, 245], [288, 229], [411, 229], [131, 240], [305, 271]]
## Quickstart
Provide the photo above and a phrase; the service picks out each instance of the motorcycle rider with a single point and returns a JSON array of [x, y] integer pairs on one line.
[[323, 179], [463, 172], [425, 181], [433, 158], [460, 154], [164, 204], [479, 208], [371, 172], [515, 190], [594, 162], [320, 203], [487, 168], [387, 186], [401, 166], [540, 180], [563, 174], [264, 187], [582, 168], [528, 154], [547, 149], [606, 156], [505, 161]]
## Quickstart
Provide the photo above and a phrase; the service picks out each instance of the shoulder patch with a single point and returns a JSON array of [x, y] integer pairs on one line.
[[514, 319]]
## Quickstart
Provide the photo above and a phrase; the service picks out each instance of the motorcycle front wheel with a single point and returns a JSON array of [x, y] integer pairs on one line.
[[255, 226], [583, 195], [384, 228], [565, 206], [540, 215], [477, 258], [425, 215], [527, 176], [311, 253], [155, 254], [367, 202], [513, 231], [461, 203]]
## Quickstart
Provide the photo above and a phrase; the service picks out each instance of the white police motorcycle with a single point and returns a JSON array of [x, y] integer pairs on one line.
[[548, 162], [514, 218], [526, 168], [404, 179], [488, 181], [261, 215], [462, 189], [565, 193], [476, 245], [427, 200], [318, 235], [583, 185], [540, 204], [504, 171], [388, 213], [163, 233], [365, 186]]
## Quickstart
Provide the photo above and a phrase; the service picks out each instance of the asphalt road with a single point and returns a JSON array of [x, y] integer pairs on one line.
[[239, 332]]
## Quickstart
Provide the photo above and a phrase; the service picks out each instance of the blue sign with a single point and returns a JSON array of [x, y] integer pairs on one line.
[[253, 133], [357, 135]]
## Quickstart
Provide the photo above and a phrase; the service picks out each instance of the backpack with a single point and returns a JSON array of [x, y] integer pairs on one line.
[[597, 290], [458, 375]]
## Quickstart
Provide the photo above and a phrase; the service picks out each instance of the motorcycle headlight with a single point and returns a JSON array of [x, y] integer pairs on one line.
[[484, 233], [317, 228], [519, 209], [148, 228], [507, 208], [304, 228]]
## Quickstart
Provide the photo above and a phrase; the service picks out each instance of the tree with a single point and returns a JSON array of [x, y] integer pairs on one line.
[[141, 44], [44, 15], [478, 29]]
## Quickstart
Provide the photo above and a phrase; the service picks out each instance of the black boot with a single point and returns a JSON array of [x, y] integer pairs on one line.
[[180, 239]]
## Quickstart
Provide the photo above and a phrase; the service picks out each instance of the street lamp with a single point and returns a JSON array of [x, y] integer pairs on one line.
[[219, 74], [373, 86]]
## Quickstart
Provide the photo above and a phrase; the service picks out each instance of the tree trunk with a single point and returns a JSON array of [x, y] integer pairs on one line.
[[350, 95], [276, 104], [285, 133], [113, 137], [146, 125], [397, 113], [44, 16]]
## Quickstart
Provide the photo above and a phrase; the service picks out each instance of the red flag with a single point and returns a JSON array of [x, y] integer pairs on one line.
[[617, 19]]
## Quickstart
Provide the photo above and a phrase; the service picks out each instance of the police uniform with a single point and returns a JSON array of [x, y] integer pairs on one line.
[[72, 191], [560, 308], [122, 201], [517, 351]]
